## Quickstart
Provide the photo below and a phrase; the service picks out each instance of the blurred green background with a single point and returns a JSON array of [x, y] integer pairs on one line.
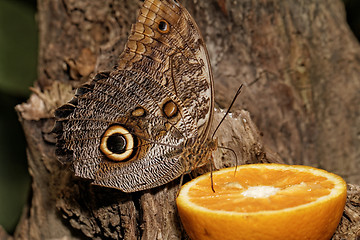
[[18, 57]]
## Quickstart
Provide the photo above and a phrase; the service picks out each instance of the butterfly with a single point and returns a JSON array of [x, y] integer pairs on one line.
[[147, 121]]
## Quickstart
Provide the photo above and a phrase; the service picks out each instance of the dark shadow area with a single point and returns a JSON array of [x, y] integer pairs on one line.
[[353, 16]]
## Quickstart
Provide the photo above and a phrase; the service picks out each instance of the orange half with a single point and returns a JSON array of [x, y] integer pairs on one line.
[[263, 201]]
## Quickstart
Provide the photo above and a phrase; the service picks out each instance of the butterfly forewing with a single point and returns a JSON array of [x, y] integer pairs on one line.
[[178, 58]]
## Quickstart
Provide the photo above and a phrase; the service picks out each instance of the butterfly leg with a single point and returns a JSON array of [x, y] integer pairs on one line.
[[199, 162], [182, 179], [211, 174]]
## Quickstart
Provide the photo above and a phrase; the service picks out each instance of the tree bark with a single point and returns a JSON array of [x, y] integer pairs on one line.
[[300, 65]]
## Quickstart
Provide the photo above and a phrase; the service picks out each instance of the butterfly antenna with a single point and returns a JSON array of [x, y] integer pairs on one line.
[[228, 111], [212, 137]]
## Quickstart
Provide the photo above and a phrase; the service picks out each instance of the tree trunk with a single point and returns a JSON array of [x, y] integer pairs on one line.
[[299, 63]]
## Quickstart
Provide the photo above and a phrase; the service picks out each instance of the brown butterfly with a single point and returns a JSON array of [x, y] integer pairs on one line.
[[146, 122]]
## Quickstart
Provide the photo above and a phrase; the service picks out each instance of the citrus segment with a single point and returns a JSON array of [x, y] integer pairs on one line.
[[263, 201]]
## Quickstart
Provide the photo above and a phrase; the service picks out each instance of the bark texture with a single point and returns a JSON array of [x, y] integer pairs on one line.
[[300, 65]]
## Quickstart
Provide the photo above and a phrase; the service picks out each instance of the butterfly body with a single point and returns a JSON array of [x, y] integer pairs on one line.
[[146, 122]]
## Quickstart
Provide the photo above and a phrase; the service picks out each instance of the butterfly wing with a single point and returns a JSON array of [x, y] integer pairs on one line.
[[178, 57], [127, 128]]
